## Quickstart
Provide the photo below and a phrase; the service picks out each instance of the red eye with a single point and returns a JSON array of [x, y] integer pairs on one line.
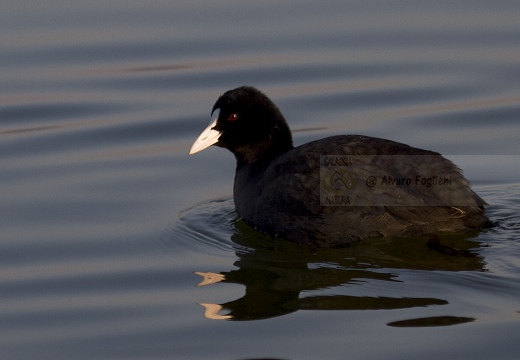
[[232, 117]]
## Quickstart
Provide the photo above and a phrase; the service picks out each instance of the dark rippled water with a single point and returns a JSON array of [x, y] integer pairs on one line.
[[107, 227]]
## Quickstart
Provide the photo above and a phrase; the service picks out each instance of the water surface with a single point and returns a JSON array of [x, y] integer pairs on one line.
[[114, 244]]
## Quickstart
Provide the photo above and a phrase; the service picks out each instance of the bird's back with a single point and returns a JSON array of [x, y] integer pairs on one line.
[[342, 189]]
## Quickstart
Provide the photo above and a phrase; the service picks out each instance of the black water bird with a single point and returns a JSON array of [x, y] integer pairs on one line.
[[337, 190]]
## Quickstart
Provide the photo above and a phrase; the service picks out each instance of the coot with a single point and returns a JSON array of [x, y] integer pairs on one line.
[[336, 190]]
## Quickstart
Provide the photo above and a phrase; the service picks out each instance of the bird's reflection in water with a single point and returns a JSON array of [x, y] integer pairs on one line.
[[281, 278]]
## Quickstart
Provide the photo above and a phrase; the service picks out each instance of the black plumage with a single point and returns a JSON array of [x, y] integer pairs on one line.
[[282, 190]]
